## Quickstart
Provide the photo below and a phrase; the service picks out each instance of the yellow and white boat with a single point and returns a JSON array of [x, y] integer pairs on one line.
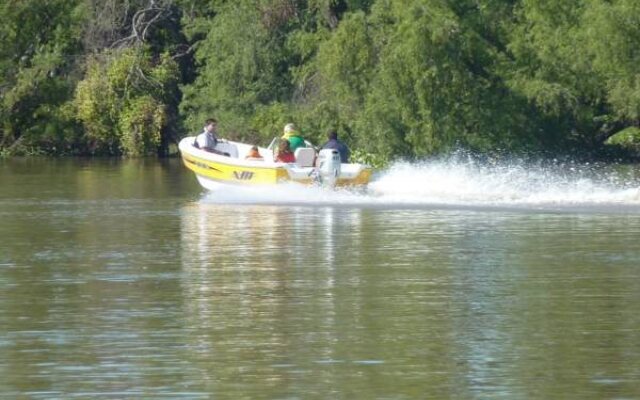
[[324, 167]]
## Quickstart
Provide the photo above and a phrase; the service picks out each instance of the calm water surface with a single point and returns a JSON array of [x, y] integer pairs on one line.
[[124, 280]]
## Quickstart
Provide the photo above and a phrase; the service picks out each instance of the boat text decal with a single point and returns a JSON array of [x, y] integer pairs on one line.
[[244, 175]]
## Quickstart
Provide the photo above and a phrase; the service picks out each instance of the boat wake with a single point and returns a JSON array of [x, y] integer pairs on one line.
[[467, 183]]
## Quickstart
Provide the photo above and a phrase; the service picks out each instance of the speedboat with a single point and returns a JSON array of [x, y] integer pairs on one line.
[[232, 167]]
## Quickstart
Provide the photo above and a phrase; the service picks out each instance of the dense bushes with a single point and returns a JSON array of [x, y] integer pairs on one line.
[[122, 103], [395, 77]]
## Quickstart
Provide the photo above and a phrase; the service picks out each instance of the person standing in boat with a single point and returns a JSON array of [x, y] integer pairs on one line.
[[336, 144], [208, 139], [293, 137]]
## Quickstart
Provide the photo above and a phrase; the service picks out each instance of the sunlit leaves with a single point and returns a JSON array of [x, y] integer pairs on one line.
[[121, 103]]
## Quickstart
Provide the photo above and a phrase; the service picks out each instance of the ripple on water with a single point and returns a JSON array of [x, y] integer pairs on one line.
[[368, 362]]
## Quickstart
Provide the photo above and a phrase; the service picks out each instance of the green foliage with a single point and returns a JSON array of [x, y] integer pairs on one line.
[[577, 62], [39, 40], [377, 161], [93, 101], [627, 139], [268, 122], [343, 69], [610, 37], [418, 77], [141, 125], [121, 102], [243, 64], [396, 78], [434, 87]]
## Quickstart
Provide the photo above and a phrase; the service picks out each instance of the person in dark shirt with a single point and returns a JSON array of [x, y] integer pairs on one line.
[[334, 143]]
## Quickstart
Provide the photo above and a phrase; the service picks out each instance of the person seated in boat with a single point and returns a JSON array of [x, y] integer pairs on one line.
[[336, 144], [285, 154], [254, 154], [208, 139], [292, 135]]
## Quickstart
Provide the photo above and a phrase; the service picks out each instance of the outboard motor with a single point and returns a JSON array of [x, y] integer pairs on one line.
[[328, 167]]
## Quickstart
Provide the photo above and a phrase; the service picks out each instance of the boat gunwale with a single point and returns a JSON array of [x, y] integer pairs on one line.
[[204, 155]]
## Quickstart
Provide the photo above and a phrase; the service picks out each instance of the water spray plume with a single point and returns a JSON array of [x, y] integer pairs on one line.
[[467, 182]]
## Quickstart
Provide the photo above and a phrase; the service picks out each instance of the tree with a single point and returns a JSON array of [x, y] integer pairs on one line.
[[122, 102], [38, 65], [577, 63], [395, 77], [243, 65], [143, 37], [609, 38]]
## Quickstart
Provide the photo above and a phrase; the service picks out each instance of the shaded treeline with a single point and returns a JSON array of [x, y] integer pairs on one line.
[[395, 77]]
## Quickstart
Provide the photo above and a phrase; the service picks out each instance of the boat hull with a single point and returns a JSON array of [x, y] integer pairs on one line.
[[213, 170]]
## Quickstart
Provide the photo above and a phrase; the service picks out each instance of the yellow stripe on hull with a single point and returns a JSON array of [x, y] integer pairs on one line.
[[229, 173], [361, 179]]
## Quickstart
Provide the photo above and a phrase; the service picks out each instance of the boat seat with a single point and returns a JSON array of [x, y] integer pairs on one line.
[[228, 148], [305, 156]]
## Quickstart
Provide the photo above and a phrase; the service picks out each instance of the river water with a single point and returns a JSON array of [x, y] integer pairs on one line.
[[448, 279]]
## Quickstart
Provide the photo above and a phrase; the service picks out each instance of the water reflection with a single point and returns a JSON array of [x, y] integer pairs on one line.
[[455, 304], [260, 284], [465, 295]]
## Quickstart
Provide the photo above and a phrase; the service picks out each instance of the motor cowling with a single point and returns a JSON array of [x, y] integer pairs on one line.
[[329, 166]]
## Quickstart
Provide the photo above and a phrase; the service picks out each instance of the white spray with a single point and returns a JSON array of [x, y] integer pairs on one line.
[[465, 182]]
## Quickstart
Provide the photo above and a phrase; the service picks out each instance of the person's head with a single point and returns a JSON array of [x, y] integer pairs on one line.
[[254, 152], [210, 124], [289, 130], [332, 135], [284, 147]]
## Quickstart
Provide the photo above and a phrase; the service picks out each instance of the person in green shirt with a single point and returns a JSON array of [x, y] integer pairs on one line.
[[295, 140]]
